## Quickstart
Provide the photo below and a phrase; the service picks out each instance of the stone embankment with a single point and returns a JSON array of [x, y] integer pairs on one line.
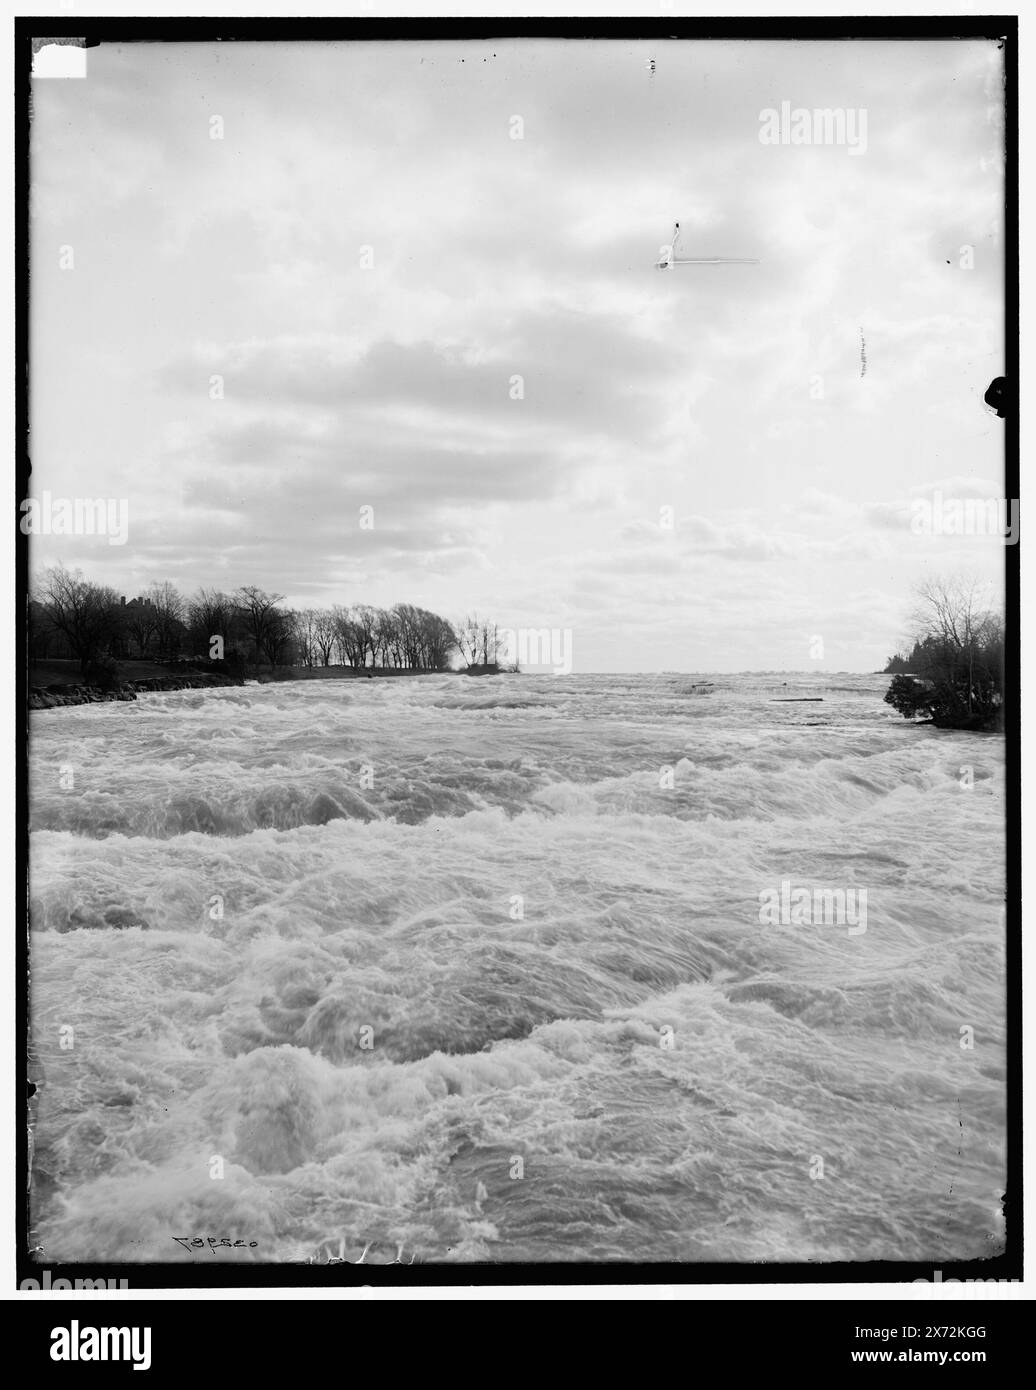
[[54, 696]]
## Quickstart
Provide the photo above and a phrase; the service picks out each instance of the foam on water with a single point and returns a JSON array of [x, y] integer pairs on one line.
[[462, 923]]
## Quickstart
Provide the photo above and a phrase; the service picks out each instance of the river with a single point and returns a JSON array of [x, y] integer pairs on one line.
[[452, 969]]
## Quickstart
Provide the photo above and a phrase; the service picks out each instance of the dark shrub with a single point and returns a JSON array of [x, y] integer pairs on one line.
[[102, 671], [909, 697]]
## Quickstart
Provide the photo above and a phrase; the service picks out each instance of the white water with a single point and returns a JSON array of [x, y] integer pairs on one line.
[[499, 1038]]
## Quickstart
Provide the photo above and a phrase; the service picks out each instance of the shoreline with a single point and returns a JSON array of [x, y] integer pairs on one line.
[[59, 696], [66, 694]]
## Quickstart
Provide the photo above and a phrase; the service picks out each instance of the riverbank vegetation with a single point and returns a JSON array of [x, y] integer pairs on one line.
[[953, 676], [246, 631]]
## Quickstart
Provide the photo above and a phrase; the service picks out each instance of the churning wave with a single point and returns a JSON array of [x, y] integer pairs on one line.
[[475, 970]]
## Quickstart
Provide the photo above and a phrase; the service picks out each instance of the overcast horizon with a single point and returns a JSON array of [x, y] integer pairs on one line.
[[409, 309]]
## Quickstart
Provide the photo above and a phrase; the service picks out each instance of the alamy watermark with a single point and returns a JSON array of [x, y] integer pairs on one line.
[[537, 646], [76, 516], [970, 1289], [822, 907], [798, 125], [84, 1343], [45, 1282], [965, 516]]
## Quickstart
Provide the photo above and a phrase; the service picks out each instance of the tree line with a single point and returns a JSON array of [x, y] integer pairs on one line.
[[74, 618], [954, 673]]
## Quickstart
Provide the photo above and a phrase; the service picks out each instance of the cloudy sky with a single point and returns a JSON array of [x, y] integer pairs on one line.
[[368, 259]]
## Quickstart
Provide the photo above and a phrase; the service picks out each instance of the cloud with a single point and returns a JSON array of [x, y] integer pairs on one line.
[[370, 261]]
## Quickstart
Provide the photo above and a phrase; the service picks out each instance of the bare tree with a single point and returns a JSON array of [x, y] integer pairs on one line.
[[170, 610], [479, 641], [348, 637], [954, 674], [211, 614], [324, 635], [366, 620], [86, 615], [388, 638], [263, 621], [950, 610], [303, 625], [439, 640], [468, 638], [141, 625]]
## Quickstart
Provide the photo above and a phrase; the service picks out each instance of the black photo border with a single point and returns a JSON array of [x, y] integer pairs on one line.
[[214, 1275]]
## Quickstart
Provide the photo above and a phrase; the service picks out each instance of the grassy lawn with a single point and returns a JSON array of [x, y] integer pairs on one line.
[[56, 672]]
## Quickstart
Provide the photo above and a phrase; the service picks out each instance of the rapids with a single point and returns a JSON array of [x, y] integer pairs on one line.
[[459, 969]]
